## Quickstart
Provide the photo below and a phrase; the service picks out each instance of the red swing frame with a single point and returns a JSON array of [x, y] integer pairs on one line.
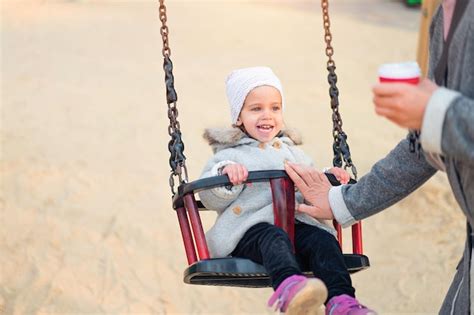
[[283, 195]]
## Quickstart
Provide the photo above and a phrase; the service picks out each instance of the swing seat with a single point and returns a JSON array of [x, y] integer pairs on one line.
[[241, 272]]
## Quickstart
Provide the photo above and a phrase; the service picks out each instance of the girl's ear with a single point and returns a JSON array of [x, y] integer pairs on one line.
[[238, 122]]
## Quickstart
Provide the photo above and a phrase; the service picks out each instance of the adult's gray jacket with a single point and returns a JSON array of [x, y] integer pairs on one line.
[[447, 138]]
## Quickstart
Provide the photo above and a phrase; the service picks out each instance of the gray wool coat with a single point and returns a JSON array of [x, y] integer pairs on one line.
[[241, 207], [447, 137]]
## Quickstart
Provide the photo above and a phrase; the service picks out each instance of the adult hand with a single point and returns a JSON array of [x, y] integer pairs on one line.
[[314, 186], [402, 103]]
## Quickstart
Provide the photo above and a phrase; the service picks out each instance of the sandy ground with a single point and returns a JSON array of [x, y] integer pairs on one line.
[[86, 222]]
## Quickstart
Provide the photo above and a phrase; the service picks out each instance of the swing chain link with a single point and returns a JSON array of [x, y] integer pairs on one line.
[[177, 159], [340, 146], [164, 30]]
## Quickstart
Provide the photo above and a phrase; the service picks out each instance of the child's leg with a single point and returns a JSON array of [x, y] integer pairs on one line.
[[270, 246], [320, 251], [294, 294]]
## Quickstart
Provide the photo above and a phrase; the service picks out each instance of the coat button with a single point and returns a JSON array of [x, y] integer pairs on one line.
[[237, 210], [261, 145], [277, 145]]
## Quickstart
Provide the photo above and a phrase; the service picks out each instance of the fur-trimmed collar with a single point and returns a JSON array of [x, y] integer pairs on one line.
[[221, 138]]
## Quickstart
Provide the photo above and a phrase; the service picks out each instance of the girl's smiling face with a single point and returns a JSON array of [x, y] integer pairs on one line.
[[262, 115]]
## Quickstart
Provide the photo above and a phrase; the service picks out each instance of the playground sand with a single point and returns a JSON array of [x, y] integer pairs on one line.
[[87, 226]]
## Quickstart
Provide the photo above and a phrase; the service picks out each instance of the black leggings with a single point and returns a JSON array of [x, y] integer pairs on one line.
[[316, 250]]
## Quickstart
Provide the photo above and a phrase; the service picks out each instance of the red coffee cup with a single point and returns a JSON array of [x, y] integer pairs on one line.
[[404, 72]]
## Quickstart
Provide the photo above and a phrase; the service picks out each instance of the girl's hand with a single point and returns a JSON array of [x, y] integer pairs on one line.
[[237, 173], [341, 175]]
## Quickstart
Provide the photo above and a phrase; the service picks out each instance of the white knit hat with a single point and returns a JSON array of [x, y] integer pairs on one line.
[[241, 81]]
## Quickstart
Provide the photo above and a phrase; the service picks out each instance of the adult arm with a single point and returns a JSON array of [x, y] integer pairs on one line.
[[448, 125], [390, 180], [444, 116]]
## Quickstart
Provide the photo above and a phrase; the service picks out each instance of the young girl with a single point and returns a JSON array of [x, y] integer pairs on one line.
[[244, 225]]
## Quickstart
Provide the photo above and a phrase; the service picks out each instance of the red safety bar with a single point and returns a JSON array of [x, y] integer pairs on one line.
[[199, 237], [283, 195], [357, 238], [186, 234]]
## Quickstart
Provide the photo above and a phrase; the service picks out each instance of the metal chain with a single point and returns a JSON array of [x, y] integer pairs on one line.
[[414, 142], [175, 146], [164, 30], [340, 146]]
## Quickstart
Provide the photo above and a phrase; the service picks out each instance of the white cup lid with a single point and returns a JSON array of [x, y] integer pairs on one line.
[[400, 70]]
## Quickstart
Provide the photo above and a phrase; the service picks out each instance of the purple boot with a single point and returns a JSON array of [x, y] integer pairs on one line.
[[346, 305], [297, 295]]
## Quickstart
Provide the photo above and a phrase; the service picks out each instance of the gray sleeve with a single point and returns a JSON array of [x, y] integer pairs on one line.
[[218, 198], [448, 125], [433, 118], [390, 180], [457, 139]]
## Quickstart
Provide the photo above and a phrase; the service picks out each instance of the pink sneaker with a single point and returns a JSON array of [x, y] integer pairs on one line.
[[297, 295], [347, 305]]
